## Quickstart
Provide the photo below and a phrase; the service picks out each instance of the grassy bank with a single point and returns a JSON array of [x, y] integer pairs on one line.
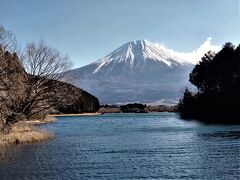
[[82, 114], [48, 119], [26, 132]]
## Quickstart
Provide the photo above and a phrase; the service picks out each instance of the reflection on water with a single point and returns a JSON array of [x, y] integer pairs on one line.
[[127, 146], [222, 135]]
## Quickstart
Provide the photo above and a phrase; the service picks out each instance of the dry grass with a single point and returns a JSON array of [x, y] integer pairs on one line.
[[22, 133], [81, 114], [37, 122]]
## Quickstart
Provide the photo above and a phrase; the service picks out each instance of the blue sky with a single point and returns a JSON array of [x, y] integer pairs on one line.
[[89, 29]]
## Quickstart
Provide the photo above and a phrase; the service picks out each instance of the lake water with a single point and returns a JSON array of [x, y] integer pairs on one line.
[[127, 146]]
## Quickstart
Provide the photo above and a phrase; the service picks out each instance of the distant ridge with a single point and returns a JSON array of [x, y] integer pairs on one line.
[[138, 71]]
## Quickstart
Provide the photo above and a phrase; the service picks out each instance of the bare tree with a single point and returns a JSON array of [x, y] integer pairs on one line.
[[42, 61], [45, 66], [12, 88], [7, 40], [28, 85]]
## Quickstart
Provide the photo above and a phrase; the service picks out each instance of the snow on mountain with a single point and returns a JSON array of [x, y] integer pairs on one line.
[[138, 71], [136, 52]]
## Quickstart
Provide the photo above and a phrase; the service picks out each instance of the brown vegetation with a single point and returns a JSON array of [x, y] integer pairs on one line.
[[47, 119], [27, 82], [30, 83], [80, 114], [75, 101], [22, 133]]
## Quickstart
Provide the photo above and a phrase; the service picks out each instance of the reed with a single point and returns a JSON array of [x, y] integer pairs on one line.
[[22, 133]]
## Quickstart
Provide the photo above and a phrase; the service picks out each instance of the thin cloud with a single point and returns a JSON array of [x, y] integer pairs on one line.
[[195, 56]]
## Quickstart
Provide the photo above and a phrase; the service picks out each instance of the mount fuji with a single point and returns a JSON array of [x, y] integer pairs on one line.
[[138, 71]]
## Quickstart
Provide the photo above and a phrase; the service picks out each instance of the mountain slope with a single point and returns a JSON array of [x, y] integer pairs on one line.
[[75, 101], [138, 71]]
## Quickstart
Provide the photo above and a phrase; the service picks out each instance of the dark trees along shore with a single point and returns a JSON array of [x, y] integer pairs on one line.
[[217, 78]]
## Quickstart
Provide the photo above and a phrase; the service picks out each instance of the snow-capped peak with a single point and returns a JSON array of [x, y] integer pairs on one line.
[[140, 51], [139, 71]]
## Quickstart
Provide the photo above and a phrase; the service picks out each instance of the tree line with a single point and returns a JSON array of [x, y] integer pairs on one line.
[[27, 79], [217, 78]]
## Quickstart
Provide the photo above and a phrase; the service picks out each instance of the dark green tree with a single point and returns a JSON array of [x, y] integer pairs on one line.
[[217, 78]]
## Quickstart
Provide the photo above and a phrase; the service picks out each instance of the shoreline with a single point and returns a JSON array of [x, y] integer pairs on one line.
[[25, 133], [80, 114], [39, 122]]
